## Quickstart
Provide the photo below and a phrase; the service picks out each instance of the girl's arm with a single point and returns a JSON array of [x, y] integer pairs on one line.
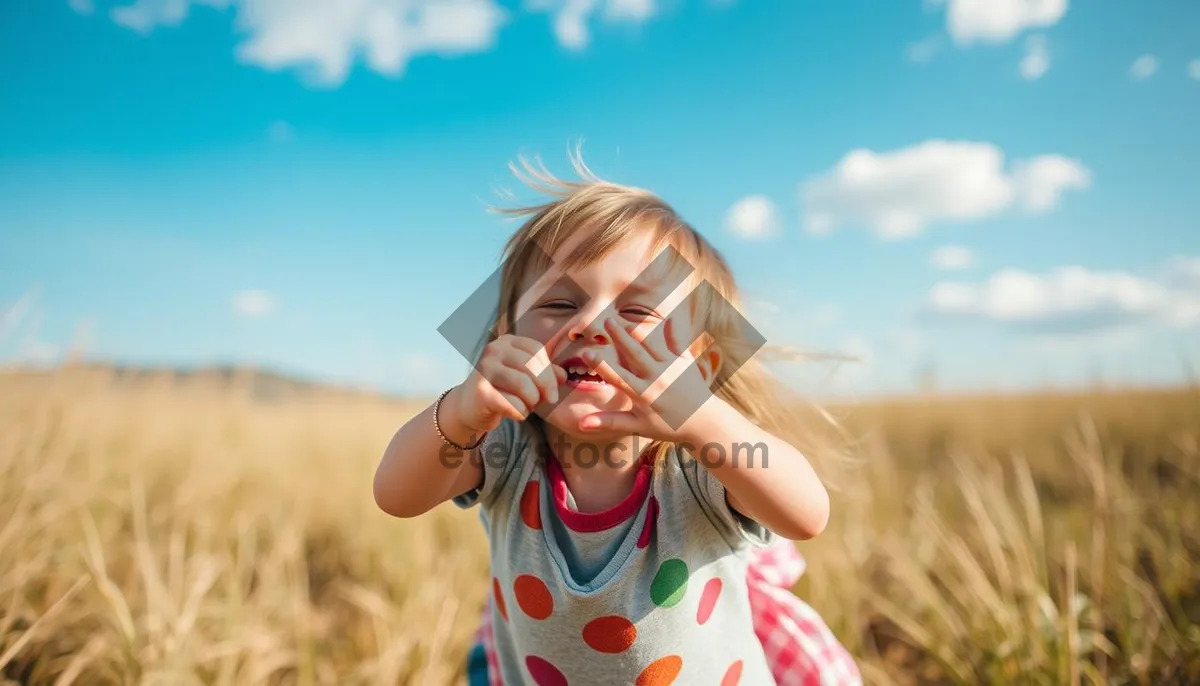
[[770, 481], [419, 471]]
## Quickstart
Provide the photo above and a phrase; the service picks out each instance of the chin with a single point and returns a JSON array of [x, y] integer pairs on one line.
[[567, 415]]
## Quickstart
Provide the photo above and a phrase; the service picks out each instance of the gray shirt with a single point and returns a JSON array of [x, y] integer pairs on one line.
[[651, 591]]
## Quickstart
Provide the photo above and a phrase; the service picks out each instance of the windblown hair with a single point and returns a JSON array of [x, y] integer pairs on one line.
[[610, 214]]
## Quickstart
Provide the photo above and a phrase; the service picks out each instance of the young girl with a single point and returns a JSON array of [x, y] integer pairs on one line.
[[625, 451]]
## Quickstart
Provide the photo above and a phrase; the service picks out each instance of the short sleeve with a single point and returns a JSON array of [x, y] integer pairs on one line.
[[498, 453], [735, 527]]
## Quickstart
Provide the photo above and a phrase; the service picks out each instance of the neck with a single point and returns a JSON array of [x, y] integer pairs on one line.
[[599, 471]]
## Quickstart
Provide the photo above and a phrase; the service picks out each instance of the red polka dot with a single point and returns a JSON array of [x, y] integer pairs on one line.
[[544, 673], [499, 595], [531, 513], [661, 672], [648, 529], [733, 675], [533, 596], [611, 634], [708, 600]]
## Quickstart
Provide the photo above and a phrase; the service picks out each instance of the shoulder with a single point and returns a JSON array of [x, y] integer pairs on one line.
[[503, 451], [691, 491]]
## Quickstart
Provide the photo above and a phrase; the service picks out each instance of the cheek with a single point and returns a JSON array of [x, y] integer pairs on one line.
[[539, 327]]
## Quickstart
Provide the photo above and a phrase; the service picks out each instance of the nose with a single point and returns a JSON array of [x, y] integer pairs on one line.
[[588, 328]]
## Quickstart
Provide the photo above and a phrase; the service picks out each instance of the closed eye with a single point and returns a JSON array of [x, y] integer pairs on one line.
[[640, 312]]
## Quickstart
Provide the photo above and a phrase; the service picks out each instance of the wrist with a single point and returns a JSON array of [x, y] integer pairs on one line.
[[452, 422]]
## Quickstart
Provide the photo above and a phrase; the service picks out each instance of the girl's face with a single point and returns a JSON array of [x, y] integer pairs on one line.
[[568, 317]]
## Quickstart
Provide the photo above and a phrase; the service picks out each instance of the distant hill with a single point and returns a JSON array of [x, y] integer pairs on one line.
[[262, 383]]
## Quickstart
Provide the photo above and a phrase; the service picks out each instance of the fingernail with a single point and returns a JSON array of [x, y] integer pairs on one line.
[[589, 422]]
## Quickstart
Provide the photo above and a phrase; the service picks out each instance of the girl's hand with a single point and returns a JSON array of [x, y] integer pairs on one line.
[[503, 386], [662, 401]]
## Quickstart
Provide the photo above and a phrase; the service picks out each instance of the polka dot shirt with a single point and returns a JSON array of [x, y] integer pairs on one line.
[[650, 592]]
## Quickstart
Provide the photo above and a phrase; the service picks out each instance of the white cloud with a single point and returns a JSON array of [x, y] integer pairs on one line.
[[999, 21], [1193, 69], [1036, 61], [144, 16], [571, 17], [753, 216], [1144, 67], [253, 304], [899, 193], [1073, 300], [1041, 181], [82, 6], [324, 37], [952, 257]]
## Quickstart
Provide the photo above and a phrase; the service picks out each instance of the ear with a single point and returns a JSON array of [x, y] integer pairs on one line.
[[709, 358]]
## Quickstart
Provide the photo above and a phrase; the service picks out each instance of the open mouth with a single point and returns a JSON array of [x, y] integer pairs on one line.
[[579, 376]]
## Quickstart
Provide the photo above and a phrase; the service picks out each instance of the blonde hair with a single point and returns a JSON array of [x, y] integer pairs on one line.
[[613, 213]]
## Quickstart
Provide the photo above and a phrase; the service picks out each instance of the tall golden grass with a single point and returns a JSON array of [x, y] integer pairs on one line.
[[179, 533]]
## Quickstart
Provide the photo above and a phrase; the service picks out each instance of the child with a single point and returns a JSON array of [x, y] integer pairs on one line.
[[619, 548]]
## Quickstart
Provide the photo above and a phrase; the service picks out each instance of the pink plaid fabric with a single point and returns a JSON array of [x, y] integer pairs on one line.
[[800, 648]]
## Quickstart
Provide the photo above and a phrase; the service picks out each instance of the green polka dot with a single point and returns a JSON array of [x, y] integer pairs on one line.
[[670, 583]]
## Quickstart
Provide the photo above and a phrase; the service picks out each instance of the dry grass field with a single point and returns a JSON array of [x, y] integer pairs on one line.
[[172, 532]]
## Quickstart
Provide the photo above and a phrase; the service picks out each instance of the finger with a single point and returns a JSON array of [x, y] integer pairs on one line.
[[656, 343], [618, 376], [546, 381], [507, 404], [528, 354], [517, 382], [554, 342], [674, 338], [637, 358], [610, 421], [528, 346]]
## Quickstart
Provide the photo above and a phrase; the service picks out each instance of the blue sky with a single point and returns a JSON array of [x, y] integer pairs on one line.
[[1006, 190]]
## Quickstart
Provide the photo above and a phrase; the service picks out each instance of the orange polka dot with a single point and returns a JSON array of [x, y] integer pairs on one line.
[[531, 513], [708, 600], [499, 595], [611, 634], [533, 596], [661, 672], [733, 675]]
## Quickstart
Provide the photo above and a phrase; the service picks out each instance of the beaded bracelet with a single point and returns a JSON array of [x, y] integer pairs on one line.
[[438, 427]]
